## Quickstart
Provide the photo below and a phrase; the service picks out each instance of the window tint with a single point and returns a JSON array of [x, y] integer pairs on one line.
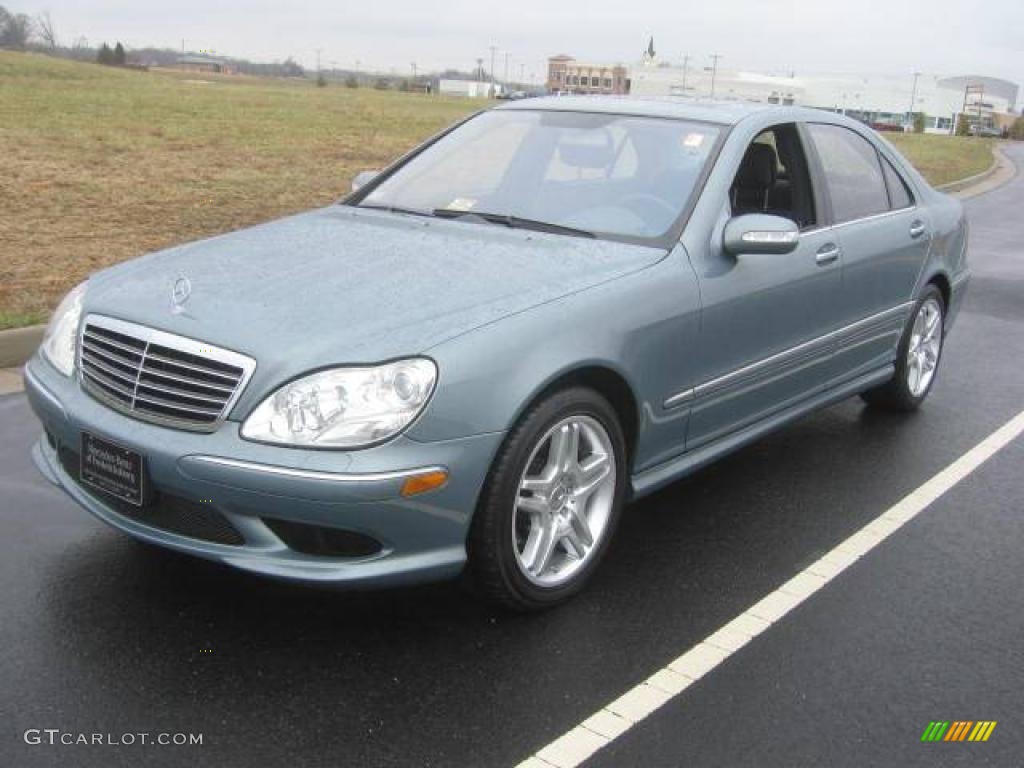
[[899, 194], [853, 173]]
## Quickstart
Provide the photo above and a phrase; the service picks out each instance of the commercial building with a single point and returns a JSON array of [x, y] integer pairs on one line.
[[567, 75], [474, 89], [881, 100]]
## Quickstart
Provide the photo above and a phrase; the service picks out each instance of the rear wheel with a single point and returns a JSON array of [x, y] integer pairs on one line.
[[917, 358], [551, 502]]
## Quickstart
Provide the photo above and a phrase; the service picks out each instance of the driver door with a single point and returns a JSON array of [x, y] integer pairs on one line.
[[764, 341]]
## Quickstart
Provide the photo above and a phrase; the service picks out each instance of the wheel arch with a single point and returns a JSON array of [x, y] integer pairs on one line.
[[941, 281], [608, 382]]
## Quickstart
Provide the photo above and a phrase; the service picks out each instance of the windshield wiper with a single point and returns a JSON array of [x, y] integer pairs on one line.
[[392, 209], [514, 222]]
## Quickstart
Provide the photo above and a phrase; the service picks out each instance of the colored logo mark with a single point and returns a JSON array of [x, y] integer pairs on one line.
[[958, 730]]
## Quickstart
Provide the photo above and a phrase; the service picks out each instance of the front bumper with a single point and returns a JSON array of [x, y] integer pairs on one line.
[[421, 538]]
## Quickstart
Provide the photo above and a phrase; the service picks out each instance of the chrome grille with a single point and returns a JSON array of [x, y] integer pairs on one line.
[[160, 377]]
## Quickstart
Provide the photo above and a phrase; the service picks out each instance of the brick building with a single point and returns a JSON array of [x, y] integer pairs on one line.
[[566, 75]]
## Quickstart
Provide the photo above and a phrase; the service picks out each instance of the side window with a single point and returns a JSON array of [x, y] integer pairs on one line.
[[773, 178], [899, 193], [852, 172]]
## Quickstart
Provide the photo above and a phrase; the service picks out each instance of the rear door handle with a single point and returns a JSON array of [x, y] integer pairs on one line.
[[827, 254], [917, 228]]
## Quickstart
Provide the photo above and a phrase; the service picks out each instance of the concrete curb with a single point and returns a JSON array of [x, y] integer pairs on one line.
[[1001, 171], [19, 344]]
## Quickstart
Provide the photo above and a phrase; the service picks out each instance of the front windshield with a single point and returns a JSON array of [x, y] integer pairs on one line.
[[599, 173]]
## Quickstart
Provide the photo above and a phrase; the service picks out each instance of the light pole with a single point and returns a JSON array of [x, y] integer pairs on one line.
[[506, 69], [686, 63], [913, 98], [714, 71], [493, 49]]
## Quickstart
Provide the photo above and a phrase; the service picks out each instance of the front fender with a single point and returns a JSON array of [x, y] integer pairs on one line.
[[642, 326]]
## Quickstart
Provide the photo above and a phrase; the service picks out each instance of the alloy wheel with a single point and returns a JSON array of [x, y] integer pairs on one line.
[[924, 348], [564, 501]]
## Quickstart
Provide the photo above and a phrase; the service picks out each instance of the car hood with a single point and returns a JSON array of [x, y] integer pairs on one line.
[[341, 285]]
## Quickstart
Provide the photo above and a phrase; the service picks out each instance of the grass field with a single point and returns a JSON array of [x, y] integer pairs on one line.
[[100, 165], [943, 159]]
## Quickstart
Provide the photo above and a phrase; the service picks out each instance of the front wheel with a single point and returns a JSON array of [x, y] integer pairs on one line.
[[551, 502], [917, 357]]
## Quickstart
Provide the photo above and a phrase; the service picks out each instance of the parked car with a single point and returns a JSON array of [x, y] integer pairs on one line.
[[987, 131], [478, 357]]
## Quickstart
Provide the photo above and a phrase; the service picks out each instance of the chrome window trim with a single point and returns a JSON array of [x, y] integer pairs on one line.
[[743, 372], [862, 219], [174, 341], [312, 474]]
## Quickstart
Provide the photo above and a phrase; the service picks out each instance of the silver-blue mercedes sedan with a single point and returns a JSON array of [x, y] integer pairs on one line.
[[478, 357]]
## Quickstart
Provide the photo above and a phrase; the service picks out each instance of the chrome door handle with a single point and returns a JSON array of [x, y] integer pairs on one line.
[[917, 229], [826, 254]]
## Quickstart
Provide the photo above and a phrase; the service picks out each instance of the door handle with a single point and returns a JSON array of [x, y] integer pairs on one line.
[[827, 254], [917, 228]]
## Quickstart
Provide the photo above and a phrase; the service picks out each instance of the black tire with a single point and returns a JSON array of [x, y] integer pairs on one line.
[[493, 568], [895, 394]]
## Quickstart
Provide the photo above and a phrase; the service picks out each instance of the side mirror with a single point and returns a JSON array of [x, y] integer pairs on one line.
[[363, 178], [760, 233]]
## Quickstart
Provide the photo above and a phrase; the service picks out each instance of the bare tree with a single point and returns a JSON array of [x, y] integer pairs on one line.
[[45, 30], [15, 30]]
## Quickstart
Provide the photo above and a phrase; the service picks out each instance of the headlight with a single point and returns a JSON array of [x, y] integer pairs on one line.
[[60, 337], [344, 407]]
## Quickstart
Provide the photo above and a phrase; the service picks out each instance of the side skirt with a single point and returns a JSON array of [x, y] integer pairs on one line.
[[658, 477]]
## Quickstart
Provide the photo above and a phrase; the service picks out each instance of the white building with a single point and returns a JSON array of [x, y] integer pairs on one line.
[[878, 99], [474, 89]]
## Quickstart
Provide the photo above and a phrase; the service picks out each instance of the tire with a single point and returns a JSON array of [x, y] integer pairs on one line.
[[915, 357], [528, 544]]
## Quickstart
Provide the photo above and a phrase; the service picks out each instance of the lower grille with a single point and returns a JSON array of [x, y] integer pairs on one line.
[[167, 512], [322, 540]]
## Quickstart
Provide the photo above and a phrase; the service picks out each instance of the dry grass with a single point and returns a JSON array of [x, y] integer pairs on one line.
[[943, 159], [100, 165]]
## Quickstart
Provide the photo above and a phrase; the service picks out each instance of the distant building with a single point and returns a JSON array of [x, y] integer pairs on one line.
[[474, 89], [203, 64], [880, 100], [566, 75]]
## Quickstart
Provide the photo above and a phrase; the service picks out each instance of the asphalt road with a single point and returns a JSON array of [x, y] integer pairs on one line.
[[99, 634]]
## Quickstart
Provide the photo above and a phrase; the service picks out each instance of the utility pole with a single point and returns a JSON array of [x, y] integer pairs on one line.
[[479, 70], [686, 63], [414, 71], [913, 99], [318, 61], [714, 71], [522, 73], [506, 69], [493, 49]]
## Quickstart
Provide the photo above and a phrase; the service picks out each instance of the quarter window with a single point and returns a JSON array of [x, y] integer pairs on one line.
[[899, 194], [852, 171]]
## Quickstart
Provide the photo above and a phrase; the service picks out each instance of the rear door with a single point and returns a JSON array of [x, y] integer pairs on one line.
[[884, 238]]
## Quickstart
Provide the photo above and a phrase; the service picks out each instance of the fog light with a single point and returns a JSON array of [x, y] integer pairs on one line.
[[428, 481]]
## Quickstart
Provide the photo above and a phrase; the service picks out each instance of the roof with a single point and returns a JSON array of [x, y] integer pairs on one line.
[[704, 110], [198, 60]]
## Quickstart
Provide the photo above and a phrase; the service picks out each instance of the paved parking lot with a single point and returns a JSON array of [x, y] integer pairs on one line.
[[103, 635]]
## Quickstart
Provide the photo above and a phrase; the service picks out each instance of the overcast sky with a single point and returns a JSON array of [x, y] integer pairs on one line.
[[806, 36]]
